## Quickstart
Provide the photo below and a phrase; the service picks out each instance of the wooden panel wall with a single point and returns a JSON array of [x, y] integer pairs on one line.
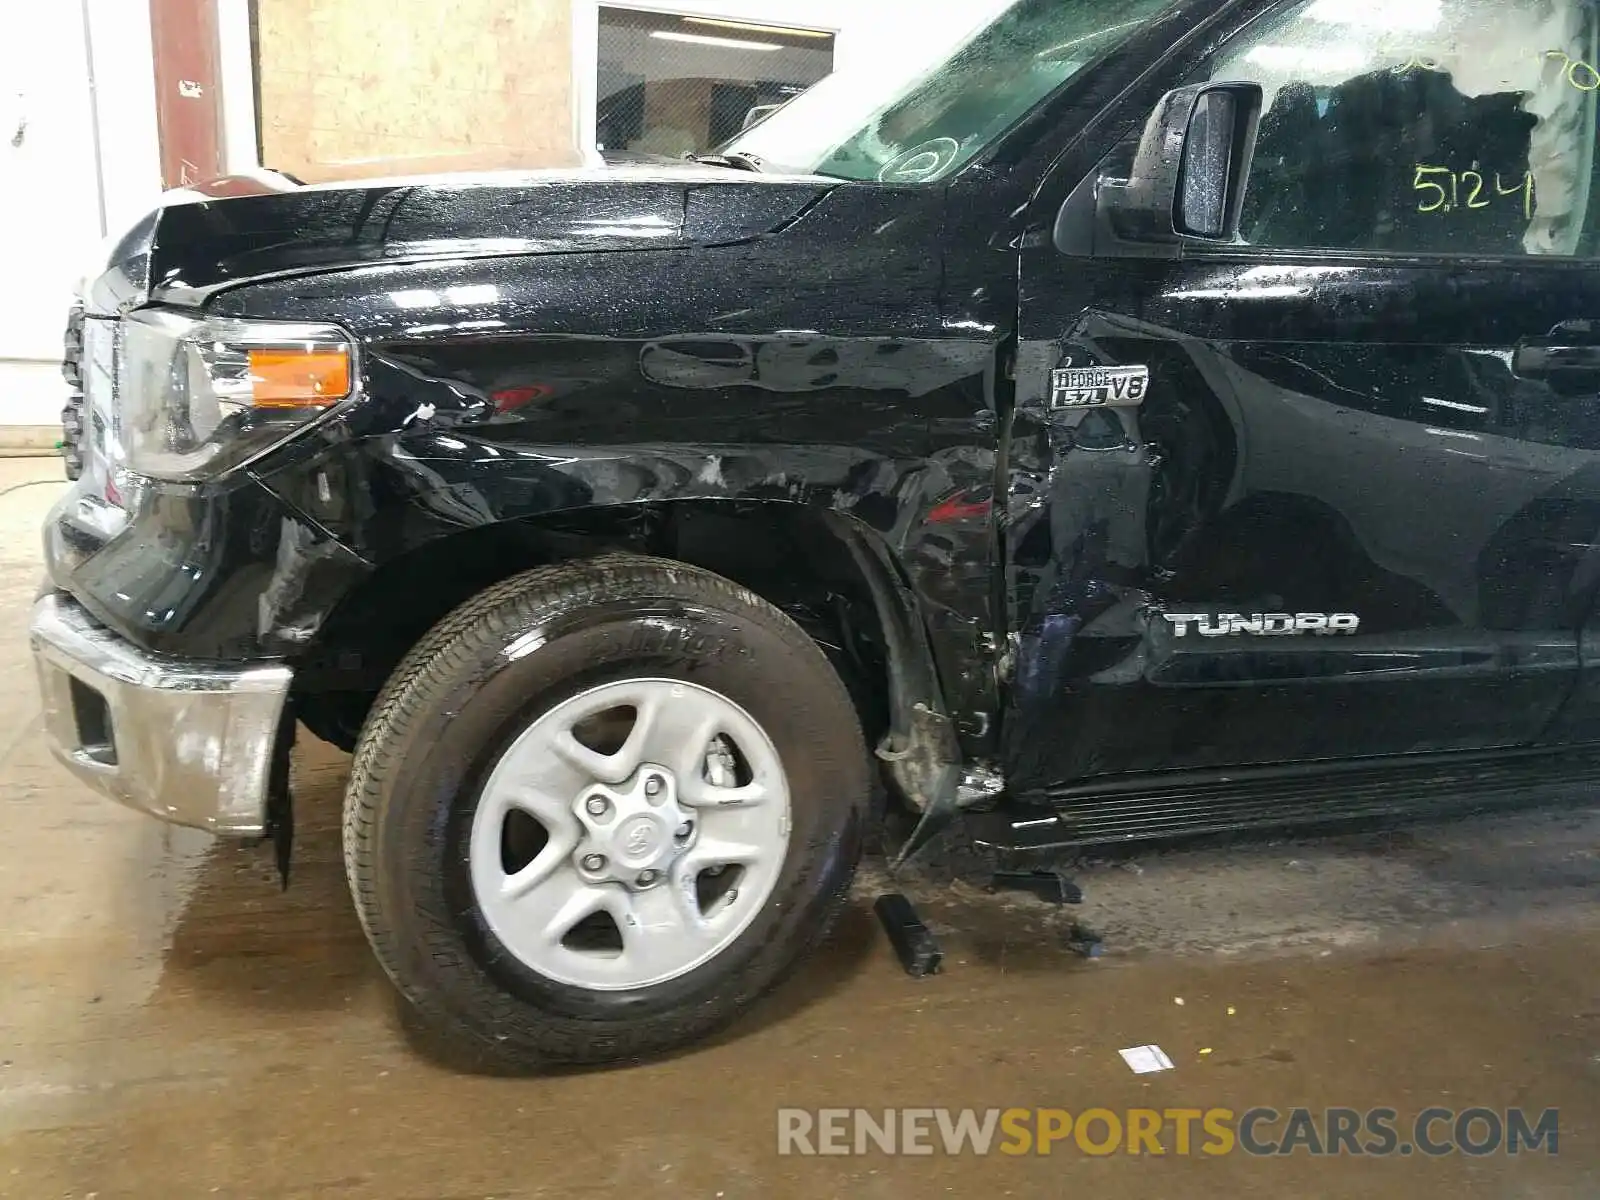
[[356, 88]]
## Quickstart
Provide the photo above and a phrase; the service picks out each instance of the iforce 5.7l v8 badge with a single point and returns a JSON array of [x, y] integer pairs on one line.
[[1098, 387]]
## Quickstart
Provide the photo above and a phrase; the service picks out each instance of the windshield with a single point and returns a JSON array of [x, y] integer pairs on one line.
[[954, 86]]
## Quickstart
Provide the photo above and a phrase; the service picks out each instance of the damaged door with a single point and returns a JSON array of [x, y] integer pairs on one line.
[[1331, 490]]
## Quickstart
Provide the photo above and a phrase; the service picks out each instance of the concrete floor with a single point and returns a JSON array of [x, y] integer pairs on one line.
[[172, 1025]]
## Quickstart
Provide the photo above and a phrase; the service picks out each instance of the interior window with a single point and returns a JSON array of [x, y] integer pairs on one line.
[[672, 84], [1461, 126]]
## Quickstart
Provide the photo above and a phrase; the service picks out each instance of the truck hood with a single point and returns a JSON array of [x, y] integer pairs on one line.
[[236, 231]]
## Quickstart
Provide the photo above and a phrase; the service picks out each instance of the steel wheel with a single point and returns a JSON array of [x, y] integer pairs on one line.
[[630, 834], [564, 851]]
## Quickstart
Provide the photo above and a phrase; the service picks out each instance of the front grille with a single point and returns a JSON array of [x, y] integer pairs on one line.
[[73, 416]]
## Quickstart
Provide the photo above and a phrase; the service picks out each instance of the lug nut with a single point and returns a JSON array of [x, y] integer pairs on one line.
[[597, 806], [594, 862], [646, 878], [652, 785], [685, 830]]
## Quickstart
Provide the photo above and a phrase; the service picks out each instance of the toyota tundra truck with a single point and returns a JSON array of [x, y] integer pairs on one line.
[[1146, 419]]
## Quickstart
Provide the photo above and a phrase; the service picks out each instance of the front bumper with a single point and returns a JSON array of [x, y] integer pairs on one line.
[[189, 742]]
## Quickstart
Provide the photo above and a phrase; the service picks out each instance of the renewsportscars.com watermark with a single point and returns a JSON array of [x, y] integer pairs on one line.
[[1100, 1132]]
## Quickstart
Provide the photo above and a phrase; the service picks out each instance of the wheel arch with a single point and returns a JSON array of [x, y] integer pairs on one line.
[[846, 590]]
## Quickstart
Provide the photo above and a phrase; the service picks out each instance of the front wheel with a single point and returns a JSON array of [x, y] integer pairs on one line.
[[600, 809]]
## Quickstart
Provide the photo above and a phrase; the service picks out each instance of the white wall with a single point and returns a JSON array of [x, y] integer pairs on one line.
[[125, 101], [77, 79], [238, 69]]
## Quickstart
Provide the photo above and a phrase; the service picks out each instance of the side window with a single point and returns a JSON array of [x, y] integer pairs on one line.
[[1461, 126]]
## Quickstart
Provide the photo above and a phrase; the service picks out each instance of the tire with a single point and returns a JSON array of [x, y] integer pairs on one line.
[[493, 674]]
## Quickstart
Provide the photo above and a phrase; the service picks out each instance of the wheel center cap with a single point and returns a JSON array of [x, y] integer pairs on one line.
[[632, 833], [639, 838]]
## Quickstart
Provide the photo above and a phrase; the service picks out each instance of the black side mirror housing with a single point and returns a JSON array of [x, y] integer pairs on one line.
[[1187, 182]]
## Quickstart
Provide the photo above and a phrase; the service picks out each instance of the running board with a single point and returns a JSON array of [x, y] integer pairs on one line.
[[1431, 786]]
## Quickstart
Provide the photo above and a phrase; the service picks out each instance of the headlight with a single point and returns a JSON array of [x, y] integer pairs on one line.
[[201, 395]]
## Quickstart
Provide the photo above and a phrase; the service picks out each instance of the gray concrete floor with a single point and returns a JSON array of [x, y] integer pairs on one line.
[[172, 1025]]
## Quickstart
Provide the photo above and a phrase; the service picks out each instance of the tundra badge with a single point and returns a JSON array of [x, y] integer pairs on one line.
[[1267, 624], [1098, 387]]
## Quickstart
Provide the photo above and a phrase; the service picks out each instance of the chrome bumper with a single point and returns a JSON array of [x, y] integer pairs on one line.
[[189, 742]]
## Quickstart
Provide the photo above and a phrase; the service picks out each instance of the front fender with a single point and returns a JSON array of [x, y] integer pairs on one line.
[[815, 367], [456, 460]]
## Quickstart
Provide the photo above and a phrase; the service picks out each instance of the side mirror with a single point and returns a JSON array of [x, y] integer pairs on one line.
[[1188, 177]]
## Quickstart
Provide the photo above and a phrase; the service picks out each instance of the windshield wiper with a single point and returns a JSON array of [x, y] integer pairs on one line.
[[738, 160]]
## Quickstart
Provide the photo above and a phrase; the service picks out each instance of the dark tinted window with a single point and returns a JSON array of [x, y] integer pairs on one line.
[[1423, 125]]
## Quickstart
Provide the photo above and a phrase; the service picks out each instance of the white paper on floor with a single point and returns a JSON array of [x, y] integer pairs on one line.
[[1146, 1059]]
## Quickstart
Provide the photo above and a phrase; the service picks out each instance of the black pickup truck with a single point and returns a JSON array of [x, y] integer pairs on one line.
[[1149, 419]]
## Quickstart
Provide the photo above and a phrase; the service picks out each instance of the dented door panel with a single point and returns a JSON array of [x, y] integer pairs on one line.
[[1377, 537]]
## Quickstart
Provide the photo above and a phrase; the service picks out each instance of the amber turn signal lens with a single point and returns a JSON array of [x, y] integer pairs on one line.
[[299, 378]]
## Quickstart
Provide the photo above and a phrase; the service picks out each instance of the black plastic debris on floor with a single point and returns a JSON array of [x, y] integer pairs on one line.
[[914, 944]]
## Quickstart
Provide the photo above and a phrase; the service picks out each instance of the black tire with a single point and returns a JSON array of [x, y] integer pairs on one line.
[[458, 699]]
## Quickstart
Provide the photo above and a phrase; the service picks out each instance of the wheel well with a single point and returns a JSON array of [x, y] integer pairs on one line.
[[796, 558]]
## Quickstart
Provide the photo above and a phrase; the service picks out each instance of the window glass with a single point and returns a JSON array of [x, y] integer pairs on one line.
[[672, 85], [1463, 126], [921, 113]]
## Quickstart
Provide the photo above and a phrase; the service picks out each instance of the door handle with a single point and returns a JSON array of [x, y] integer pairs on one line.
[[1571, 350]]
